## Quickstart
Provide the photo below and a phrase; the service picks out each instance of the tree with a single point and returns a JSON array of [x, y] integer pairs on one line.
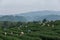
[[44, 20]]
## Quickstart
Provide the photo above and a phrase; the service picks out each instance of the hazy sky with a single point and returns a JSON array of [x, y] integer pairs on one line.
[[19, 6]]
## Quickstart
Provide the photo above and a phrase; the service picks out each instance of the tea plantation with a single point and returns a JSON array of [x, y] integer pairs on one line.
[[30, 31]]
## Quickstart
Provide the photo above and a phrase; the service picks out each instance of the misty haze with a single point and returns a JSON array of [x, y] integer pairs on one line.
[[29, 19]]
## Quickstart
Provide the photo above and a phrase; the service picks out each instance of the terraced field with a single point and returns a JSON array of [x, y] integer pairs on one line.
[[31, 31]]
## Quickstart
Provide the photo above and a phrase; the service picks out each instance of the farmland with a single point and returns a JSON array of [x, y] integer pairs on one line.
[[30, 30]]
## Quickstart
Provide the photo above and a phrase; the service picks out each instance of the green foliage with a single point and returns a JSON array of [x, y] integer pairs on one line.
[[44, 20], [33, 31]]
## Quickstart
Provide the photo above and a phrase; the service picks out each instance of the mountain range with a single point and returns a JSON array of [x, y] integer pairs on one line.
[[32, 16], [12, 18]]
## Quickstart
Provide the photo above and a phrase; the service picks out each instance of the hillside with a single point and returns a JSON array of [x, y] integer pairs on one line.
[[32, 16], [39, 15], [31, 31], [12, 18], [49, 17]]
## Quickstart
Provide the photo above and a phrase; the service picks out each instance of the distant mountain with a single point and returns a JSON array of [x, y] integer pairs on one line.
[[12, 18], [32, 16], [48, 17], [39, 15]]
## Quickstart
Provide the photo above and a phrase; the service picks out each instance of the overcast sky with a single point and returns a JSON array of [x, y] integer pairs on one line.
[[19, 6]]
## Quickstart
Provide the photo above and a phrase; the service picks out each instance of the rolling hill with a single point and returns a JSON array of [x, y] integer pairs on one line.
[[39, 15], [12, 18], [32, 16], [49, 17]]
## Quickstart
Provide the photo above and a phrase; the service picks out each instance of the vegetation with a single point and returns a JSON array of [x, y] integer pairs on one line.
[[46, 30]]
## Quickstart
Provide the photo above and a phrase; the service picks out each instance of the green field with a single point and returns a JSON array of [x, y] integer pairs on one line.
[[32, 30]]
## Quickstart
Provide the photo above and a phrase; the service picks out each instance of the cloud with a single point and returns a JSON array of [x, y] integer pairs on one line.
[[18, 6]]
